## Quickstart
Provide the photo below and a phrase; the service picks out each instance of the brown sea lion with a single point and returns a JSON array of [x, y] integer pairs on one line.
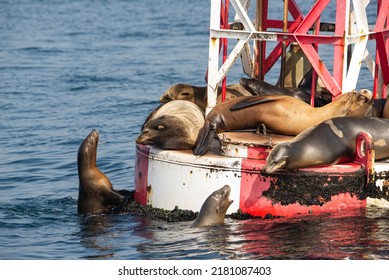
[[331, 142], [198, 95], [96, 194], [174, 125], [214, 208], [280, 113]]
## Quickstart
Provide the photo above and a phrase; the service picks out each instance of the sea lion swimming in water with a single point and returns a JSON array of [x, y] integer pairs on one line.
[[174, 125], [280, 113], [96, 194], [198, 95], [214, 208], [331, 142]]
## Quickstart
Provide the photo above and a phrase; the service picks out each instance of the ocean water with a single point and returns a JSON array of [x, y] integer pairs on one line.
[[67, 67]]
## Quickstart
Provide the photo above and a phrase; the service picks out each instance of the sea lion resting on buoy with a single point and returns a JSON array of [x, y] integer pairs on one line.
[[385, 108], [302, 92], [96, 193], [214, 208], [378, 108], [280, 113], [174, 125], [198, 95], [331, 142]]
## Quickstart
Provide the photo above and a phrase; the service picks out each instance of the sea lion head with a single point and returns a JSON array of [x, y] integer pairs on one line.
[[167, 132], [257, 86], [186, 92], [278, 158], [214, 208], [178, 92], [88, 149], [362, 103]]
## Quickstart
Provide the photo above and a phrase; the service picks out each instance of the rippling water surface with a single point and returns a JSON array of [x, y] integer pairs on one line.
[[67, 67]]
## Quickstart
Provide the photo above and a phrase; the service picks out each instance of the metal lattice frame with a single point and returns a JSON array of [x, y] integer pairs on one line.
[[351, 28]]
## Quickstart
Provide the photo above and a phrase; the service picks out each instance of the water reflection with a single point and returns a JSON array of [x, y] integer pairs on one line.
[[332, 236], [92, 231], [357, 234]]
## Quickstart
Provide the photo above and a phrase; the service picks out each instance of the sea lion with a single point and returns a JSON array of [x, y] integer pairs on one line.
[[302, 92], [280, 113], [378, 108], [385, 108], [96, 193], [260, 87], [214, 208], [174, 125], [331, 142], [198, 95]]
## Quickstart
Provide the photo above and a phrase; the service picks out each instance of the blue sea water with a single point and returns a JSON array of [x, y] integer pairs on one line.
[[67, 67]]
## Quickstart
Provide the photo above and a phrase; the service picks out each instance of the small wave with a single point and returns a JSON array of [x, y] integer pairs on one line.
[[41, 50], [94, 78], [20, 68], [135, 34], [41, 206], [79, 88], [76, 33]]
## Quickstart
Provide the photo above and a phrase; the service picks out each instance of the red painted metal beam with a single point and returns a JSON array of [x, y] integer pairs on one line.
[[321, 69], [295, 10], [382, 46], [333, 84], [383, 56], [312, 16], [298, 31], [277, 51]]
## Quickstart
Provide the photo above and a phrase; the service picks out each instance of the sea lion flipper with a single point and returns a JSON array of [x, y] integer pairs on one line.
[[125, 193], [206, 135], [306, 81], [251, 101], [117, 200]]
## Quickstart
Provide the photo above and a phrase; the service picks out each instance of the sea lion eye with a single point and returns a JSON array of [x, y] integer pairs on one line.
[[185, 93], [161, 127]]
